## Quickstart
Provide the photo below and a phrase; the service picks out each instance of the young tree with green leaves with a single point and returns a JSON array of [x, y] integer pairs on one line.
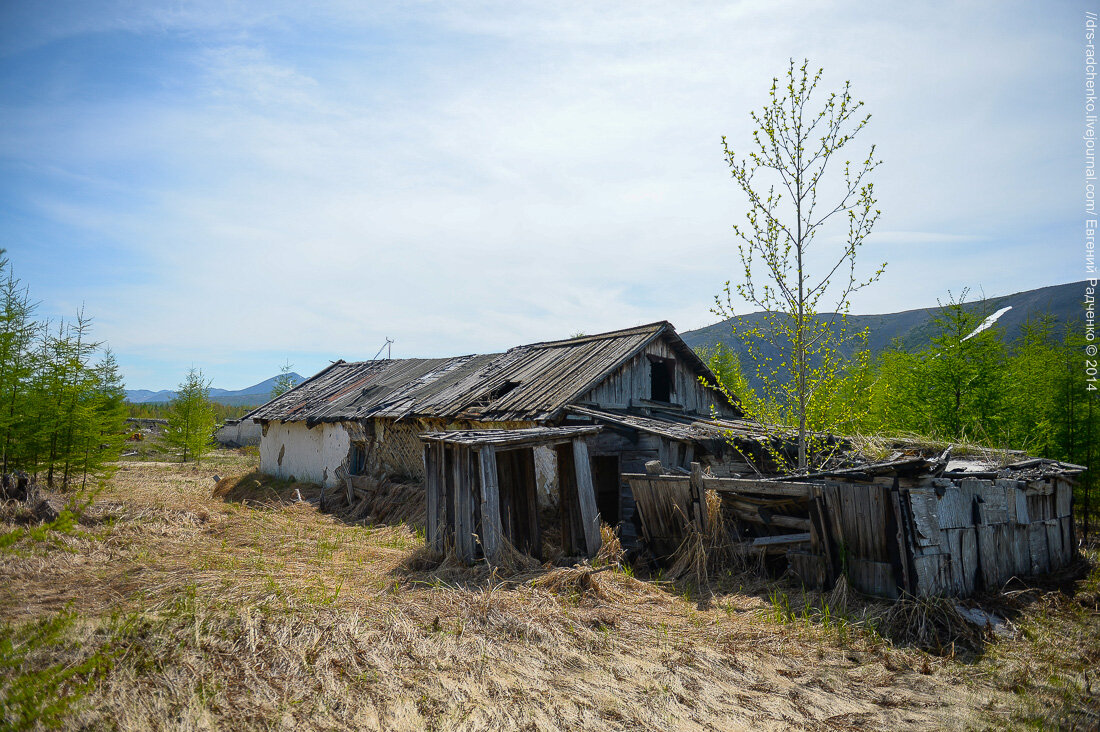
[[190, 426], [800, 185], [18, 334], [104, 436], [284, 382]]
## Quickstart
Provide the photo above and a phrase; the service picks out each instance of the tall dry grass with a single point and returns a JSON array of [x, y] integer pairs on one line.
[[252, 609]]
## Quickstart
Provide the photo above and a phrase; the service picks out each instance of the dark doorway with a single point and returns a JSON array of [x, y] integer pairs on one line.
[[519, 507], [605, 479]]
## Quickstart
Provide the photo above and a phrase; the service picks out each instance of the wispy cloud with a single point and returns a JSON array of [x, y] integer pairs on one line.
[[468, 176]]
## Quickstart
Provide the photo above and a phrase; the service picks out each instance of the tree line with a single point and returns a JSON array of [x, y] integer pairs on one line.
[[162, 410], [61, 394], [63, 406]]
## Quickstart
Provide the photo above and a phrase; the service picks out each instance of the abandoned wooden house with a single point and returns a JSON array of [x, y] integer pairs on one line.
[[555, 437], [644, 385]]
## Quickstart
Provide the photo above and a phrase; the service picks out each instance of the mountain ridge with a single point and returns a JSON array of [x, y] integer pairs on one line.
[[913, 329], [250, 395]]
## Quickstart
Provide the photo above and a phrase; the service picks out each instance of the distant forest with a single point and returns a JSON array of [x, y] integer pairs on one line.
[[159, 410]]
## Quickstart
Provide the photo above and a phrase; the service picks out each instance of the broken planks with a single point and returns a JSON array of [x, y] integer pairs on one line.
[[481, 493]]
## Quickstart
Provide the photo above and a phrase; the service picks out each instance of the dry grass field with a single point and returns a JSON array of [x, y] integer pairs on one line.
[[177, 604]]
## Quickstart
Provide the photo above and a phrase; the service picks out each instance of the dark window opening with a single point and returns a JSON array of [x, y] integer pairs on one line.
[[357, 460], [660, 379]]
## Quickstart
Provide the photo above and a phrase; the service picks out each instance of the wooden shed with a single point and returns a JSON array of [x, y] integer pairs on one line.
[[909, 525], [481, 491]]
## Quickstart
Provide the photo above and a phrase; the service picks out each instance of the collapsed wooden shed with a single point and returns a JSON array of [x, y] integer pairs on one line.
[[482, 496], [903, 526]]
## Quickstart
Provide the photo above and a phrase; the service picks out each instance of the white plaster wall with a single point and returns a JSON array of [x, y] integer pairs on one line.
[[308, 455], [245, 432], [334, 451]]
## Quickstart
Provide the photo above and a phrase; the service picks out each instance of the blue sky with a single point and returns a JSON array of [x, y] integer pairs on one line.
[[234, 185]]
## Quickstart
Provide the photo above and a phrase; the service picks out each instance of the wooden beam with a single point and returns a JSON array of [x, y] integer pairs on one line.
[[528, 488], [491, 530], [762, 487], [586, 498], [789, 522], [443, 500], [572, 537], [782, 539], [698, 493]]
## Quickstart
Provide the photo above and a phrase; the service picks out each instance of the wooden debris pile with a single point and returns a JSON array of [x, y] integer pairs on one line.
[[912, 524], [22, 501]]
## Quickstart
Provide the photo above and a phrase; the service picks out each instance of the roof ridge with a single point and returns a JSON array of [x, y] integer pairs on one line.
[[654, 327]]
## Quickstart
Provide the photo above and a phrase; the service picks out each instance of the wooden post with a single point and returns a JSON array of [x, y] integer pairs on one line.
[[528, 491], [586, 498], [442, 497], [699, 497], [491, 530], [431, 485], [572, 537], [464, 514]]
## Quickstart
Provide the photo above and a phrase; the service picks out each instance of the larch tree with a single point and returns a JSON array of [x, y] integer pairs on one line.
[[802, 192], [61, 413], [963, 374], [190, 426], [284, 382]]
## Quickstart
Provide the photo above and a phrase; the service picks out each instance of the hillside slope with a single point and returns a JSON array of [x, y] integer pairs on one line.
[[913, 329]]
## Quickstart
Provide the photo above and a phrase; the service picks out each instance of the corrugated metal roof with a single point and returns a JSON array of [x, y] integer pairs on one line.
[[532, 382]]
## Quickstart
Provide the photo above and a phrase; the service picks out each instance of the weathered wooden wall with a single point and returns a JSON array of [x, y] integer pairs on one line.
[[481, 496], [935, 537], [630, 384], [634, 452], [979, 534]]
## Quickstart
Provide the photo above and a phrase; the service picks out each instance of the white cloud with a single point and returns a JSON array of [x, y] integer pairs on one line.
[[469, 176]]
